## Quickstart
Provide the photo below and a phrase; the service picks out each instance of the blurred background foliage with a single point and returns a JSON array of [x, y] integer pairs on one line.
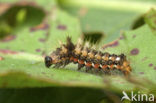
[[31, 29]]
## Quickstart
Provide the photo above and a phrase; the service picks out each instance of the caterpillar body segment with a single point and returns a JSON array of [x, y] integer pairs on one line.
[[88, 58]]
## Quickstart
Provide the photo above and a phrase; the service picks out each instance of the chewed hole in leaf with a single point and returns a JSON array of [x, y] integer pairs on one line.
[[138, 22], [18, 16], [93, 37]]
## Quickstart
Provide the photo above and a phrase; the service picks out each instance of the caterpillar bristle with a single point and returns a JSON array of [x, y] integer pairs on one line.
[[89, 57], [86, 45], [60, 43], [80, 42]]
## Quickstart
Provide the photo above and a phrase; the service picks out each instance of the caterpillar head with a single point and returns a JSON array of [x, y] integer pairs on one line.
[[57, 57], [48, 61], [54, 58]]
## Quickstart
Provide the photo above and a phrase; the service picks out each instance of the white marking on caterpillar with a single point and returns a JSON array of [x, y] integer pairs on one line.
[[118, 58]]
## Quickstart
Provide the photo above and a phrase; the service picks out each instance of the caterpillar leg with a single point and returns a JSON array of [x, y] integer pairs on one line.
[[107, 71], [88, 68], [80, 66], [97, 70], [57, 65]]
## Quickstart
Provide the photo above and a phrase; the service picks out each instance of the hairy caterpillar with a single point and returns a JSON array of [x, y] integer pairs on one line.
[[87, 57]]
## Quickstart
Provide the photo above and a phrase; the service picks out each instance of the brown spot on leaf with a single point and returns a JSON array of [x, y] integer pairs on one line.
[[154, 68], [5, 51], [112, 44], [134, 51], [115, 43], [8, 38], [61, 27], [141, 73], [134, 36], [1, 58], [42, 40], [38, 50], [150, 65], [39, 27]]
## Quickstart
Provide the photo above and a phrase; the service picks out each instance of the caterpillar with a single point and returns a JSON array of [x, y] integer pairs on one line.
[[88, 58]]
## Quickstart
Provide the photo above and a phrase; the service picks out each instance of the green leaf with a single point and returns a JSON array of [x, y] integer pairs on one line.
[[36, 75], [108, 17], [22, 60], [62, 25], [44, 37], [150, 19], [55, 95], [139, 47], [29, 67], [32, 72], [16, 17]]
